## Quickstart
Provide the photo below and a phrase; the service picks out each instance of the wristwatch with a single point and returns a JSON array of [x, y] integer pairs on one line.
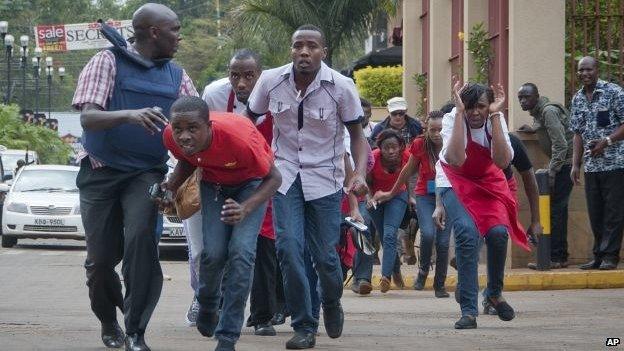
[[500, 114], [609, 141]]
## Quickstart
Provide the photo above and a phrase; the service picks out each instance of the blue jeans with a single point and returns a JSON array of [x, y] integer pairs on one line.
[[496, 241], [387, 218], [229, 250], [363, 263], [315, 225], [425, 205], [466, 250]]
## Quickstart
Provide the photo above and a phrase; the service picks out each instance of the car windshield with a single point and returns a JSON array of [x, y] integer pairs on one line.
[[9, 161], [46, 181]]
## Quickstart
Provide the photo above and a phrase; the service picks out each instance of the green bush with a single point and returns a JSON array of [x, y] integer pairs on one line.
[[379, 84], [14, 134]]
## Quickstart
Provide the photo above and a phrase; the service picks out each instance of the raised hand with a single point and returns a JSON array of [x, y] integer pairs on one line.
[[457, 89], [499, 99]]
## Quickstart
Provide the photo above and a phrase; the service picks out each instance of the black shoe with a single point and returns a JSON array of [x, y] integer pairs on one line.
[[608, 265], [112, 335], [136, 342], [421, 278], [593, 264], [225, 345], [207, 323], [301, 340], [278, 319], [500, 307], [333, 317], [466, 322], [441, 293], [264, 329]]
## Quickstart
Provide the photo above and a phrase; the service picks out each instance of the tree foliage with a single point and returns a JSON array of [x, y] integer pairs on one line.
[[344, 22], [15, 134]]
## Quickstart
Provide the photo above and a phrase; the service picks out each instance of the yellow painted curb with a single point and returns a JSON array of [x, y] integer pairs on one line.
[[534, 281]]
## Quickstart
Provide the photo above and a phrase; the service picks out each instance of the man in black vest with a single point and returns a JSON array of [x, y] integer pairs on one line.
[[124, 94]]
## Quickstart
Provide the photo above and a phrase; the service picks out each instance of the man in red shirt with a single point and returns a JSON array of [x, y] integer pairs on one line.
[[238, 178]]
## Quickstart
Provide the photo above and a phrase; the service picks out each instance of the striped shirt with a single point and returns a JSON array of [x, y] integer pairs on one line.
[[97, 80]]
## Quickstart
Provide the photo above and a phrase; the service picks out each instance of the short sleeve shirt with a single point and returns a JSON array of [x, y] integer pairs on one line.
[[382, 180], [426, 169], [238, 152], [314, 152], [521, 161], [597, 119]]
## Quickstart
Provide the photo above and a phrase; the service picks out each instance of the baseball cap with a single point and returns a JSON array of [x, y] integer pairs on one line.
[[397, 104]]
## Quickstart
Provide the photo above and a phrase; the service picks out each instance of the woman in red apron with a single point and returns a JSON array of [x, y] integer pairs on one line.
[[476, 196]]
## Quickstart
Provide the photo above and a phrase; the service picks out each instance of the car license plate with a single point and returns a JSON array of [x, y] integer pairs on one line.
[[49, 221], [176, 232]]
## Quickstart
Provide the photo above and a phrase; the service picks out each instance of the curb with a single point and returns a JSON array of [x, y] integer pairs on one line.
[[532, 281]]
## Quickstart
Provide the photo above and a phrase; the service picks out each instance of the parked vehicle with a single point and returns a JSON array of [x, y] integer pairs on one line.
[[173, 233], [42, 203], [10, 158]]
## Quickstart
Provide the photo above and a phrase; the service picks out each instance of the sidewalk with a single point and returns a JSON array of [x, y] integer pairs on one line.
[[522, 279]]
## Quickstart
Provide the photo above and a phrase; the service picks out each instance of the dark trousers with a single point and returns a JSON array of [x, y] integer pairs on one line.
[[263, 303], [559, 215], [605, 204], [120, 223]]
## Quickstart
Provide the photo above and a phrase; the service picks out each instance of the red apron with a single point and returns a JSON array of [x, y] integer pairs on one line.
[[484, 192], [266, 129]]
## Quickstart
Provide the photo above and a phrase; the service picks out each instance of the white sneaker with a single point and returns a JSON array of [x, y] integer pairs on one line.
[[191, 314]]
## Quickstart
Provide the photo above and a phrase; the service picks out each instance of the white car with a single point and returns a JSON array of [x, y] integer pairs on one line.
[[42, 203], [173, 233]]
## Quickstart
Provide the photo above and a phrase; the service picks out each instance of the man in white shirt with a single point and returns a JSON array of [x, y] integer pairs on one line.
[[311, 104]]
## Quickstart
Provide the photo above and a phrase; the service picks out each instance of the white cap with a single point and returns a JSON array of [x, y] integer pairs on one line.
[[397, 104]]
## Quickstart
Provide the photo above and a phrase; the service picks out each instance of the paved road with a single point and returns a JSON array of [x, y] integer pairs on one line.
[[44, 306]]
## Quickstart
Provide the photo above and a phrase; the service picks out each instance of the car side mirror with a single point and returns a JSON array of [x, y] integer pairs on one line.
[[4, 188], [7, 177]]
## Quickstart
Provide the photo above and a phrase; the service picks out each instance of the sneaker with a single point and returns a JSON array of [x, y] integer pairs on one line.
[[264, 329], [421, 279], [466, 322], [397, 278], [384, 284], [361, 287], [441, 293], [488, 308], [225, 345], [191, 314]]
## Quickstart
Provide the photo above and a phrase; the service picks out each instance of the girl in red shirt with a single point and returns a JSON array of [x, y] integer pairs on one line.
[[387, 215], [423, 157]]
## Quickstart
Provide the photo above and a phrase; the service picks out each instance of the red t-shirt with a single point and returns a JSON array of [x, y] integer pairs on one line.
[[425, 171], [238, 152], [381, 179]]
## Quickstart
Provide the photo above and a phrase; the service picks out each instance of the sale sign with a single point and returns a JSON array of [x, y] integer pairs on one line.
[[81, 36]]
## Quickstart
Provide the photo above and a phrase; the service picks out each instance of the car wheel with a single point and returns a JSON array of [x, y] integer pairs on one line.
[[8, 241]]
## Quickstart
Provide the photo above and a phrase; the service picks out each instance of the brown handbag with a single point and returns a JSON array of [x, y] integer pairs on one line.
[[187, 201]]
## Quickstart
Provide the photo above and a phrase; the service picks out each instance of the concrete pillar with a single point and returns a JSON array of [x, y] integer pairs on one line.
[[536, 52], [439, 66], [475, 11], [412, 50]]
